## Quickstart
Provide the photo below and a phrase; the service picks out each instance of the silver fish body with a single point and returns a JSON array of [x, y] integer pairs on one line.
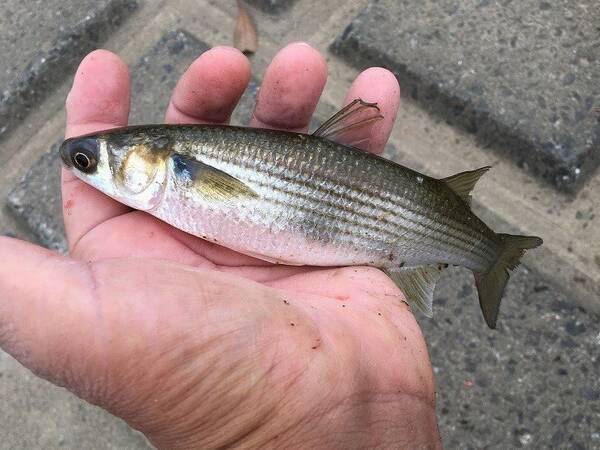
[[303, 200], [320, 203]]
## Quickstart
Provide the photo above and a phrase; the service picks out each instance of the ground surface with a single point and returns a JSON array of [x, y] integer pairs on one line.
[[521, 75], [533, 382]]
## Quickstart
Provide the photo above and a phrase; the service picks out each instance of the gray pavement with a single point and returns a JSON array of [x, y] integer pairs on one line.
[[531, 383], [36, 201], [42, 40], [522, 76], [272, 6]]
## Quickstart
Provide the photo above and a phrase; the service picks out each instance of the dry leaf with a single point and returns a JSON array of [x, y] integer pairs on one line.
[[245, 37]]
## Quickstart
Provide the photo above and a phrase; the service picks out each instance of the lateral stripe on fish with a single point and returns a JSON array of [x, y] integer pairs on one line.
[[460, 233]]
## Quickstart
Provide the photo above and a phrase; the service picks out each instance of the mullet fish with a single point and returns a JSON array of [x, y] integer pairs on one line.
[[302, 199]]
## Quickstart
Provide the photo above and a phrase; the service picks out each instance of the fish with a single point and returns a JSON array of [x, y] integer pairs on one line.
[[304, 199]]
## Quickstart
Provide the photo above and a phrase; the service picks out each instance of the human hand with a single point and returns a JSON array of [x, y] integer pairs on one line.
[[194, 344]]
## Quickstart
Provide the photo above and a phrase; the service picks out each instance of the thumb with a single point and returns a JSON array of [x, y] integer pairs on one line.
[[46, 312]]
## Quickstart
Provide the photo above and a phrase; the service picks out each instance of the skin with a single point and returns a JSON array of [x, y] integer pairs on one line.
[[198, 346]]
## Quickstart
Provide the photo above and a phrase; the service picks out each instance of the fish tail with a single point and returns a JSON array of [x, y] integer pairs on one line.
[[490, 284]]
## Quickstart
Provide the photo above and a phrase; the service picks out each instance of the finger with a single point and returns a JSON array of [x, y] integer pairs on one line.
[[375, 85], [210, 88], [45, 319], [291, 89], [99, 99], [99, 96]]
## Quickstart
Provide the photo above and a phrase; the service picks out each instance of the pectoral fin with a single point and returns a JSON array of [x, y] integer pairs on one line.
[[417, 284], [208, 181]]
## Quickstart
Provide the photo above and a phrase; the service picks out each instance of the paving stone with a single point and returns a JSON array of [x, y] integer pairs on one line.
[[36, 199], [39, 51], [521, 75], [155, 75], [271, 6], [530, 383]]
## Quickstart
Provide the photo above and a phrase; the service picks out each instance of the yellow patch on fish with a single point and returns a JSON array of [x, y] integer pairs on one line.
[[139, 167]]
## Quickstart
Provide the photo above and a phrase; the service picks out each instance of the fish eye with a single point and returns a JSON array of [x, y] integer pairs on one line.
[[81, 153], [84, 159]]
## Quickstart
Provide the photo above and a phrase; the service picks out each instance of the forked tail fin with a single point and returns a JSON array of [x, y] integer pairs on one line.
[[490, 284]]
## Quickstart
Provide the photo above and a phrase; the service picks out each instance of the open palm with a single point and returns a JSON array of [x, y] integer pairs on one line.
[[199, 346]]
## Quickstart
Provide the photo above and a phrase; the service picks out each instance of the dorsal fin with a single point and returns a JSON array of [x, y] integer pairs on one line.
[[417, 284], [349, 118], [462, 183]]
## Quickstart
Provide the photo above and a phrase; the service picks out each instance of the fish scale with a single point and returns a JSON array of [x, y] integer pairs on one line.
[[337, 183], [302, 199], [238, 162]]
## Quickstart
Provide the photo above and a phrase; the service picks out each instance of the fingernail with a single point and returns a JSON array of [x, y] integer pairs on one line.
[[226, 48], [305, 44]]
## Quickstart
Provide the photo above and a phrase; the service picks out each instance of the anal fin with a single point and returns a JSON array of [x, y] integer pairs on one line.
[[417, 284]]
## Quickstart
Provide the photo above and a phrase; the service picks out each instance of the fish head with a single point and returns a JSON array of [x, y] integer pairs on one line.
[[128, 166]]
